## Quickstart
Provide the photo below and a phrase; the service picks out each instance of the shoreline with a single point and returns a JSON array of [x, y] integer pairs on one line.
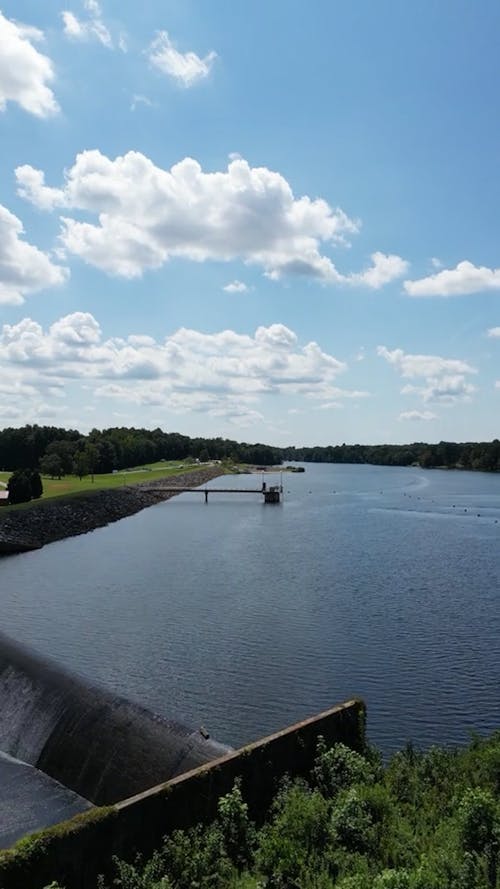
[[60, 518]]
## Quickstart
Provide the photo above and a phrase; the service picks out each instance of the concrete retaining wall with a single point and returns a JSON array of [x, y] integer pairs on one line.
[[74, 853]]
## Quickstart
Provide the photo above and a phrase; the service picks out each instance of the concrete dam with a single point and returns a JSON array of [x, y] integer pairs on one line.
[[66, 744]]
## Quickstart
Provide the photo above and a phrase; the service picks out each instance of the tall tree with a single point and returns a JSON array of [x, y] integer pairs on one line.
[[36, 484], [51, 465], [19, 487]]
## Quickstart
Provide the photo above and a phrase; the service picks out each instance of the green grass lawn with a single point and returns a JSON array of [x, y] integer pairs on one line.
[[71, 484]]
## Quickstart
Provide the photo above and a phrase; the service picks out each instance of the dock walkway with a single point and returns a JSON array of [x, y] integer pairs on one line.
[[271, 494]]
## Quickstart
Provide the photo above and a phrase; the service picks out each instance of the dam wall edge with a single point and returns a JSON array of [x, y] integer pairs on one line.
[[75, 852]]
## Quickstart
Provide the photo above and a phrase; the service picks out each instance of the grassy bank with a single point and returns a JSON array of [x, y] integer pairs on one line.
[[70, 485]]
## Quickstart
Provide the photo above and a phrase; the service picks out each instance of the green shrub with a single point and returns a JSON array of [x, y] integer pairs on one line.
[[140, 876], [196, 858], [352, 823], [478, 821], [338, 768], [295, 840], [237, 830]]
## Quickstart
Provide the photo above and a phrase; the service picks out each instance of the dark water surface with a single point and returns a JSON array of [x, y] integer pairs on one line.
[[372, 581]]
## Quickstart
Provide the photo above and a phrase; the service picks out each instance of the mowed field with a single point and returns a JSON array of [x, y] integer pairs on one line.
[[71, 484]]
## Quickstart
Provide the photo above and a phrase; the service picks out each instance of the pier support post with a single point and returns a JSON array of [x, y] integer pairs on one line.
[[206, 496]]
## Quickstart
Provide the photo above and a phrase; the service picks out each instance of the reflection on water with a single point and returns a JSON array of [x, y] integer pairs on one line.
[[372, 581]]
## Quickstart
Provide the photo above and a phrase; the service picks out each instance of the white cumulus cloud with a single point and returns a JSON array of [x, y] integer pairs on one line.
[[423, 365], [225, 374], [236, 287], [25, 73], [494, 332], [31, 186], [444, 379], [186, 68], [464, 279], [24, 268], [447, 389], [147, 215], [384, 269]]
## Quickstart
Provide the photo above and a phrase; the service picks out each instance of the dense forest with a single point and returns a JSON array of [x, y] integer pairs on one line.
[[30, 447], [452, 455], [426, 821]]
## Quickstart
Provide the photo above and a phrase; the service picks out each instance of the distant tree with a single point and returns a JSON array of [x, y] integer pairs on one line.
[[19, 487], [65, 450], [52, 466], [91, 456], [36, 484], [81, 464], [107, 456]]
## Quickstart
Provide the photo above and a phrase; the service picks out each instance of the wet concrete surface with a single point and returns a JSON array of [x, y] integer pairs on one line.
[[30, 801]]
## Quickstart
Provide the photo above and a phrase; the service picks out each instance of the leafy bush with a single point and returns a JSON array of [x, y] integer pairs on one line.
[[352, 823], [339, 768], [295, 840], [238, 831]]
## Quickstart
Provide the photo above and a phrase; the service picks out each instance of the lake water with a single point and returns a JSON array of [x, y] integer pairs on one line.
[[372, 581]]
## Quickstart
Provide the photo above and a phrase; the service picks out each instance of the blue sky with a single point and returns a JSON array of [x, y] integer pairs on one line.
[[267, 221]]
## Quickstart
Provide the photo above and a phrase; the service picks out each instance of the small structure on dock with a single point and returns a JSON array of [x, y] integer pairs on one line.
[[272, 494]]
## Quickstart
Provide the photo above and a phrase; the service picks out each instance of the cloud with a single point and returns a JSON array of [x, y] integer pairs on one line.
[[494, 332], [384, 269], [186, 68], [9, 412], [423, 365], [24, 268], [224, 374], [444, 378], [330, 405], [137, 100], [25, 74], [91, 28], [447, 389], [418, 415], [147, 215], [236, 287], [465, 278], [31, 186], [93, 7]]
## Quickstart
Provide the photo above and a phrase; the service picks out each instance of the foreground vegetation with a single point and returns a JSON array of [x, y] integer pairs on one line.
[[426, 821]]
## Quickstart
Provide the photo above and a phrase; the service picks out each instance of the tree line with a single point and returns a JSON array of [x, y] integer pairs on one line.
[[450, 455], [56, 451]]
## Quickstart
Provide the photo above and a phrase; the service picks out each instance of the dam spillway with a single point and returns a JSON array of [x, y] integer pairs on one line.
[[100, 746]]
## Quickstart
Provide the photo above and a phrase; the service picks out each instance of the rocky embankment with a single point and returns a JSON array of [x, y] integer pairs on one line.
[[49, 520]]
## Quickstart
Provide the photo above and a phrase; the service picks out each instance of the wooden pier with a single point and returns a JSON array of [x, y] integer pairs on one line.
[[271, 494]]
